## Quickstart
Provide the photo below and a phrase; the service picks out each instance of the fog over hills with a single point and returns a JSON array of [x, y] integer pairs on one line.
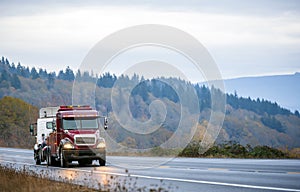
[[283, 89]]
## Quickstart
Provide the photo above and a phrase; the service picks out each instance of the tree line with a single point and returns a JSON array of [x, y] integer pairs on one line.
[[10, 74], [246, 118]]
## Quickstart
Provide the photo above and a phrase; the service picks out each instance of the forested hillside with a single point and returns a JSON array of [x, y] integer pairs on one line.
[[248, 121], [15, 117]]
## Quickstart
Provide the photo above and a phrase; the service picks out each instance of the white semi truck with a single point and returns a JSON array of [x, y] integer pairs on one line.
[[45, 123]]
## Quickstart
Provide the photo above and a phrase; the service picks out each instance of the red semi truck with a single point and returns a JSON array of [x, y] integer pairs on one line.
[[75, 136]]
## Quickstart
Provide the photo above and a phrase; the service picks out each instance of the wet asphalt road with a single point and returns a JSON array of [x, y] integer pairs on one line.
[[178, 174]]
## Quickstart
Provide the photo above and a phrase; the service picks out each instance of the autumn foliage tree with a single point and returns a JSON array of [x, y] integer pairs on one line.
[[15, 118]]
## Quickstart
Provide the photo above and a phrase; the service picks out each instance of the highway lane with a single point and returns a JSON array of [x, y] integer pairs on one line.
[[179, 174]]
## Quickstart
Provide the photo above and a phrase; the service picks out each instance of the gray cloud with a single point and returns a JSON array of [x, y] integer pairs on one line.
[[233, 7], [245, 38]]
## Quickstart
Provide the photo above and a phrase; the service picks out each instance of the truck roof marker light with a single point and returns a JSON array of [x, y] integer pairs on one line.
[[79, 116], [74, 107]]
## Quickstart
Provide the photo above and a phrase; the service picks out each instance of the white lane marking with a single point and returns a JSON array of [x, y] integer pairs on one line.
[[16, 150], [174, 179], [217, 183], [217, 169], [15, 157], [192, 181]]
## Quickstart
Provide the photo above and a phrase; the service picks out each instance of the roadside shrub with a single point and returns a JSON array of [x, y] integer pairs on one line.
[[191, 150], [267, 152]]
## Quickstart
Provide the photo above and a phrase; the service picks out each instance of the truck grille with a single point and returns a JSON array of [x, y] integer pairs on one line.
[[85, 140]]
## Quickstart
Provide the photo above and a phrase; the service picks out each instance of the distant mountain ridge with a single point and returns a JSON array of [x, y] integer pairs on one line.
[[282, 89]]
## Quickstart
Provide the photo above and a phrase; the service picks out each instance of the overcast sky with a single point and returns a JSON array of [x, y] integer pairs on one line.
[[250, 38]]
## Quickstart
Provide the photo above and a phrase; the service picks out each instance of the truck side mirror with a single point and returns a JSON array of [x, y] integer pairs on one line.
[[53, 125], [105, 123], [31, 130]]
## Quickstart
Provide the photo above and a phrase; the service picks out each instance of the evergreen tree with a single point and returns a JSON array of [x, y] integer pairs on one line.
[[69, 74], [86, 76], [25, 72], [3, 60], [204, 97], [34, 74], [5, 76], [142, 90], [15, 81], [4, 79], [6, 62], [297, 113], [13, 68], [50, 80], [61, 75], [43, 73], [107, 80], [78, 75], [273, 123], [19, 69]]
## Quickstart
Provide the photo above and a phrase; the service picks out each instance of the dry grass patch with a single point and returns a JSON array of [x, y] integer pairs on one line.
[[12, 180]]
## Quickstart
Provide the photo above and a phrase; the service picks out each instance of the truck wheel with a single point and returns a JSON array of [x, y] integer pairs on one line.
[[38, 158], [37, 161], [49, 159], [63, 162], [85, 162], [102, 162]]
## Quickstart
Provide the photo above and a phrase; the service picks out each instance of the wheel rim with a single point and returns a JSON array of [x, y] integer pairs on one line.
[[49, 159], [61, 159]]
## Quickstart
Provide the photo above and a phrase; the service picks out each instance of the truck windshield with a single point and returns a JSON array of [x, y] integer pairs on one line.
[[80, 123]]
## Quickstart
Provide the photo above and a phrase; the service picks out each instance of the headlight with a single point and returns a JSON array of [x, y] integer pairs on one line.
[[101, 144], [36, 147], [68, 146]]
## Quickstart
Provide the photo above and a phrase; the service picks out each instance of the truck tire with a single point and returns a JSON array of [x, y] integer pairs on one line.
[[63, 162], [102, 162], [38, 157], [37, 160], [49, 159], [85, 162]]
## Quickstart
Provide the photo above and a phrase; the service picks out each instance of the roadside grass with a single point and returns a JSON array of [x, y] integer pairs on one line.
[[12, 180]]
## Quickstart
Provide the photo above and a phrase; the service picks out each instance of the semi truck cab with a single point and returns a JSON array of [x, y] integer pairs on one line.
[[75, 136], [45, 123]]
